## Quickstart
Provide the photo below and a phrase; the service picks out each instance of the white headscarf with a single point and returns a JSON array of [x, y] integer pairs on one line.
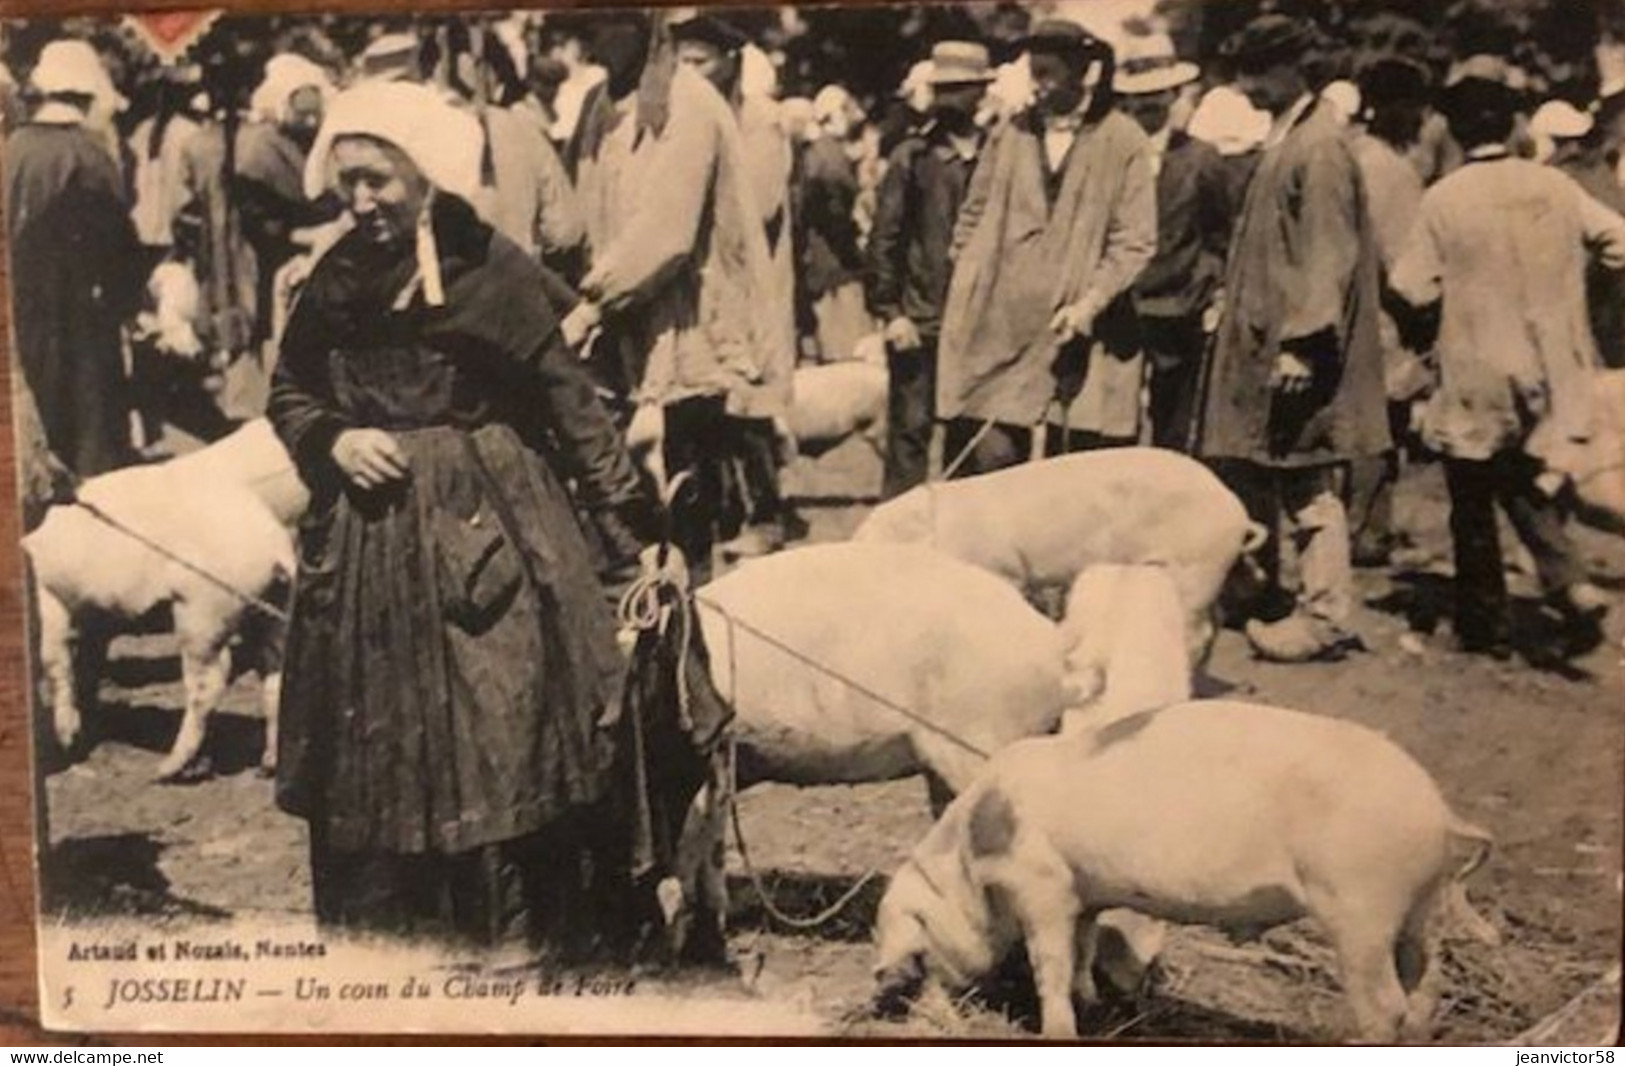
[[73, 66], [285, 75], [444, 142], [1228, 121], [1344, 97]]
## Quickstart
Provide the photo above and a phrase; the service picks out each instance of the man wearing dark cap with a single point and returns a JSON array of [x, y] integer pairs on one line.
[[711, 47], [1394, 98], [925, 182], [1059, 219], [1294, 387], [1501, 244]]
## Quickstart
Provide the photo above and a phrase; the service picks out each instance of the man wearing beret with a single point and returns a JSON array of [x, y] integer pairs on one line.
[[1295, 385]]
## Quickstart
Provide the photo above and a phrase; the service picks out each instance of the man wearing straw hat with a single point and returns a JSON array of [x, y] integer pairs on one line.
[[909, 266], [1194, 215]]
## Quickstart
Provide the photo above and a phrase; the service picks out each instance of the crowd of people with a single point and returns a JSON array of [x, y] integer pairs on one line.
[[474, 272]]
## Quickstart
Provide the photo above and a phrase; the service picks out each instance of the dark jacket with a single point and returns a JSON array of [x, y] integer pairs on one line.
[[1302, 276], [1195, 212], [909, 264], [77, 272], [830, 257], [450, 650]]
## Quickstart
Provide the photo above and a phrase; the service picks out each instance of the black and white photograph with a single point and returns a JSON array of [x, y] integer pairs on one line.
[[1012, 521]]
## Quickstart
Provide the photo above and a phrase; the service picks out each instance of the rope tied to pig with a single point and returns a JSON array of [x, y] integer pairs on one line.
[[249, 600], [661, 596], [811, 921]]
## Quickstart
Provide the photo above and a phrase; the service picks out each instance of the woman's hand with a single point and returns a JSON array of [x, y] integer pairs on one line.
[[370, 458]]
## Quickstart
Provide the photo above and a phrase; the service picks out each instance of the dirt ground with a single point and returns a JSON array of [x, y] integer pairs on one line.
[[1534, 755]]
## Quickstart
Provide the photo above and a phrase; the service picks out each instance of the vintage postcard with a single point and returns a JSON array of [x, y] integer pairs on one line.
[[1070, 518]]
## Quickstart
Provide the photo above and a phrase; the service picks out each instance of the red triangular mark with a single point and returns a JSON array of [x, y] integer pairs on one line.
[[171, 33]]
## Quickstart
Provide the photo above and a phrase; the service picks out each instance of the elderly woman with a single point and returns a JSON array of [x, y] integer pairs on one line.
[[450, 653]]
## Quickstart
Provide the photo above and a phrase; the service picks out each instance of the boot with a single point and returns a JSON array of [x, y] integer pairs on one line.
[[1299, 639]]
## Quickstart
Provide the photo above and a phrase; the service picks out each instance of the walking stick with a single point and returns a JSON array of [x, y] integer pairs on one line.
[[1204, 380], [1070, 369]]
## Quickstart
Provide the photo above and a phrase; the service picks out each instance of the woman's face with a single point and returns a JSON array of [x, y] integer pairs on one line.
[[382, 188]]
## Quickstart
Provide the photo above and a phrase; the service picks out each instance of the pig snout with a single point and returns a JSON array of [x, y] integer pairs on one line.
[[897, 987]]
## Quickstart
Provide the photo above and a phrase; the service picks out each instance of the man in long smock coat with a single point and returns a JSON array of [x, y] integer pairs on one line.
[[1059, 219], [724, 56], [680, 275], [1295, 388]]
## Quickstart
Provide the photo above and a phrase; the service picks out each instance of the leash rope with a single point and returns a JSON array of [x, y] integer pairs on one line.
[[640, 608], [835, 675], [811, 921], [249, 600], [728, 785]]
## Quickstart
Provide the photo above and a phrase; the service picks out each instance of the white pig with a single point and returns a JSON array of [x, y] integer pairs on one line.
[[835, 402], [1041, 524], [1124, 631], [1214, 812], [1599, 483], [947, 642]]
